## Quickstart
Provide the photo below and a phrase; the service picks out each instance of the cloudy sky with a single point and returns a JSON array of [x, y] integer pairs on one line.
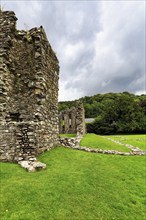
[[100, 44]]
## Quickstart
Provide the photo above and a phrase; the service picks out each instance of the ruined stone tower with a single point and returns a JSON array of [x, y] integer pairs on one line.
[[29, 73]]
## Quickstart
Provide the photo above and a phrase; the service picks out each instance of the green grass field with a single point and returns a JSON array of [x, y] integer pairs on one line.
[[97, 141], [68, 135], [134, 140], [75, 186]]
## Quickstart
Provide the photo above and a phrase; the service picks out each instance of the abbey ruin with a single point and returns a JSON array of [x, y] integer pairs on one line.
[[71, 121], [29, 74]]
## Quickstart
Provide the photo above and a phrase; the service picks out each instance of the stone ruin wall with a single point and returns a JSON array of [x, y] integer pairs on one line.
[[29, 73], [72, 121]]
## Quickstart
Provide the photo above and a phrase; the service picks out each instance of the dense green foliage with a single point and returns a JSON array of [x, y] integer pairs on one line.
[[114, 112], [76, 185]]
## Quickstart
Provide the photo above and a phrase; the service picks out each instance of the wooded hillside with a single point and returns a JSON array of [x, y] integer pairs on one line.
[[114, 112]]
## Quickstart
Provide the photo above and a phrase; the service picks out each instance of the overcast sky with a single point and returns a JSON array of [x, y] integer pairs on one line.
[[100, 44]]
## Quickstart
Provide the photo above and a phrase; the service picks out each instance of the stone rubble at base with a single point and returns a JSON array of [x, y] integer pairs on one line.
[[32, 166]]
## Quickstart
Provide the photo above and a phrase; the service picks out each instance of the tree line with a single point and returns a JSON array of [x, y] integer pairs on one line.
[[113, 112]]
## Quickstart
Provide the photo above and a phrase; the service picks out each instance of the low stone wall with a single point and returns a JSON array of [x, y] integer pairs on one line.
[[87, 149], [73, 143]]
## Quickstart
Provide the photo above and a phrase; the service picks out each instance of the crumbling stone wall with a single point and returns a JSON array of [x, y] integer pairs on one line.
[[72, 121], [29, 73]]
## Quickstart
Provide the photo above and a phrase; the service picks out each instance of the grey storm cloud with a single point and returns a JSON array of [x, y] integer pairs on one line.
[[100, 44]]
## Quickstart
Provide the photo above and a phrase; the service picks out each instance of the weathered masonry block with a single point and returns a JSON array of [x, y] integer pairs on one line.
[[72, 121], [29, 73]]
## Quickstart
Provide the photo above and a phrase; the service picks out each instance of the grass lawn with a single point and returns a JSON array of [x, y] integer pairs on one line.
[[134, 140], [97, 141], [68, 135], [75, 186]]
